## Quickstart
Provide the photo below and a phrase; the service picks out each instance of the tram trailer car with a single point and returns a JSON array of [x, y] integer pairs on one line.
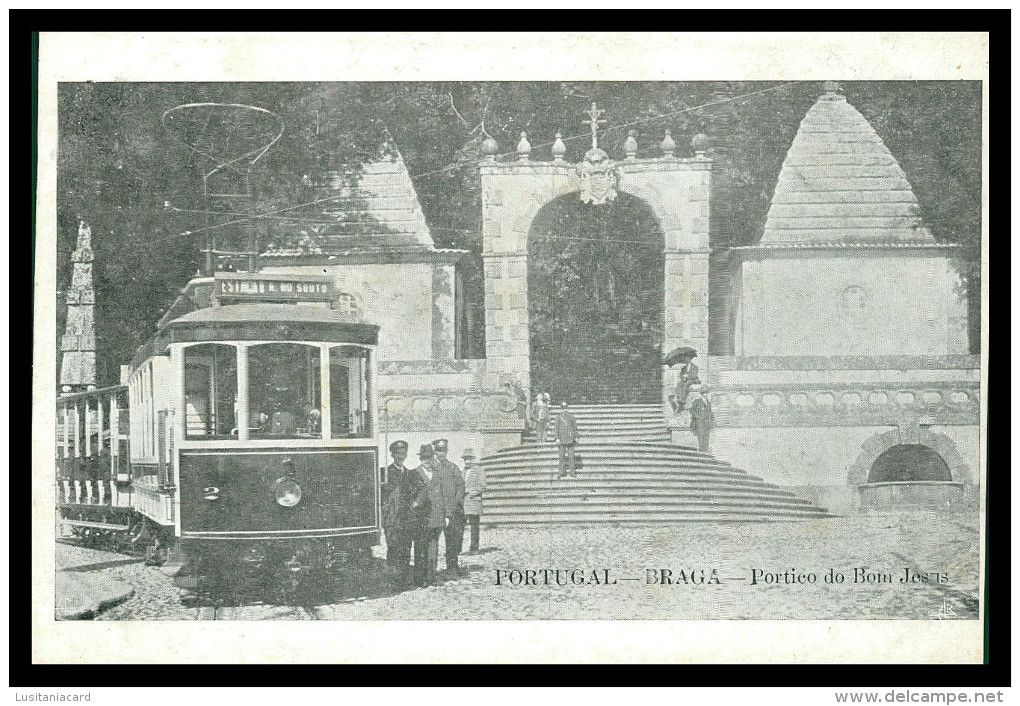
[[252, 432]]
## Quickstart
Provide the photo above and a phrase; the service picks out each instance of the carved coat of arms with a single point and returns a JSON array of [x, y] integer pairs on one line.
[[597, 177]]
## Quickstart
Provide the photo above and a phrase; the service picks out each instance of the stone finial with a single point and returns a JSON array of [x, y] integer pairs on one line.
[[668, 146], [831, 87], [489, 148], [700, 144], [523, 148], [558, 149], [630, 146]]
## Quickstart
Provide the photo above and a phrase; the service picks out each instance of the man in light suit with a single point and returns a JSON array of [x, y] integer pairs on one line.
[[474, 486], [566, 438]]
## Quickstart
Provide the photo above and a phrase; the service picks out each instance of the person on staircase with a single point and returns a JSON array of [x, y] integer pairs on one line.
[[453, 493], [687, 377], [701, 418], [474, 486], [540, 416], [566, 438]]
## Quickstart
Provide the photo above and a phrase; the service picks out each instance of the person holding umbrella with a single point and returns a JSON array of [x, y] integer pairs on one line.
[[688, 376]]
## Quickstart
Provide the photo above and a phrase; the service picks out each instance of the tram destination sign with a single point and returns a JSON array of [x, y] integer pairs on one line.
[[273, 288]]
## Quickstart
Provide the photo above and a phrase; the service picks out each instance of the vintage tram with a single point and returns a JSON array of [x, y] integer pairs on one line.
[[245, 436]]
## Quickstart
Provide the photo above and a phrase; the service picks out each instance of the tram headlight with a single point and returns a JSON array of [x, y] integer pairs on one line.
[[287, 492]]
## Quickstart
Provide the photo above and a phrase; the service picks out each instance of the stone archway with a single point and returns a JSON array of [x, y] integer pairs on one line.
[[907, 463], [940, 444], [513, 193], [596, 300]]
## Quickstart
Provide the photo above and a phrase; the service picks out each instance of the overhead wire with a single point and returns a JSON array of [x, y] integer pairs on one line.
[[615, 127], [461, 165]]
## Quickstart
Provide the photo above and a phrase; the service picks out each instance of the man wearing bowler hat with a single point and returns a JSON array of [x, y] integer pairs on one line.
[[453, 490], [424, 486]]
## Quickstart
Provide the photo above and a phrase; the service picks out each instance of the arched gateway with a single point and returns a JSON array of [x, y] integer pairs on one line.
[[633, 234], [595, 301]]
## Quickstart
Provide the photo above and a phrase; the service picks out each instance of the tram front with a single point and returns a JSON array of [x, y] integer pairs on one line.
[[276, 463]]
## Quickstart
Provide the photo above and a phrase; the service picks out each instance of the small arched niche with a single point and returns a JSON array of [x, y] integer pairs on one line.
[[908, 463]]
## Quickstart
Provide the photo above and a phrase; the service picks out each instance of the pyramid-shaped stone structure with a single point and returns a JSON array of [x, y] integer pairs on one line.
[[841, 184], [376, 209]]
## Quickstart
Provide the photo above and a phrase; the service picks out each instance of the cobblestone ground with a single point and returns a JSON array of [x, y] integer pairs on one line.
[[864, 550]]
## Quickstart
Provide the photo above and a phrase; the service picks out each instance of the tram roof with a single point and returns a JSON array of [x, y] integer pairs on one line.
[[265, 313], [259, 321]]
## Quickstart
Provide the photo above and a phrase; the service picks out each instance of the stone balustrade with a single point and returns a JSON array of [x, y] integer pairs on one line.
[[449, 410], [849, 404]]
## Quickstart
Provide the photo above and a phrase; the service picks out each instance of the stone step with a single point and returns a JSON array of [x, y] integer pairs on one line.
[[608, 407], [649, 411], [590, 463], [661, 437], [627, 457], [592, 429], [638, 505], [604, 473], [702, 513], [589, 469], [626, 425], [629, 473], [597, 444], [621, 500], [615, 423], [521, 488], [620, 419], [615, 430], [702, 505], [635, 447]]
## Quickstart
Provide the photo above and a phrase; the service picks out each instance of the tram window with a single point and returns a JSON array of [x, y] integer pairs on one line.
[[348, 389], [284, 394], [210, 391]]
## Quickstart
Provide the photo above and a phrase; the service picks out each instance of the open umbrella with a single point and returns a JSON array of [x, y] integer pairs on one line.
[[683, 354]]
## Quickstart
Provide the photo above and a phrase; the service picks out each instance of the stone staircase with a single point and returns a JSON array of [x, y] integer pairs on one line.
[[611, 422], [628, 473]]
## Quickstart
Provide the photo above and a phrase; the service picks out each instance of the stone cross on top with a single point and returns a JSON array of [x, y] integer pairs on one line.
[[594, 121]]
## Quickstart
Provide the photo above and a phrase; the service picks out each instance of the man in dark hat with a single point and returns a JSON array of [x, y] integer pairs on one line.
[[701, 418], [453, 490], [427, 510], [394, 513], [566, 438]]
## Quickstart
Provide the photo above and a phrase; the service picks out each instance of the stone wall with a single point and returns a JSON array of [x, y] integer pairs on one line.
[[412, 302], [815, 424], [879, 301]]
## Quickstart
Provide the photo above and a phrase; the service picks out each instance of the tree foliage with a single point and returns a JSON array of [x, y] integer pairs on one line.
[[120, 170]]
